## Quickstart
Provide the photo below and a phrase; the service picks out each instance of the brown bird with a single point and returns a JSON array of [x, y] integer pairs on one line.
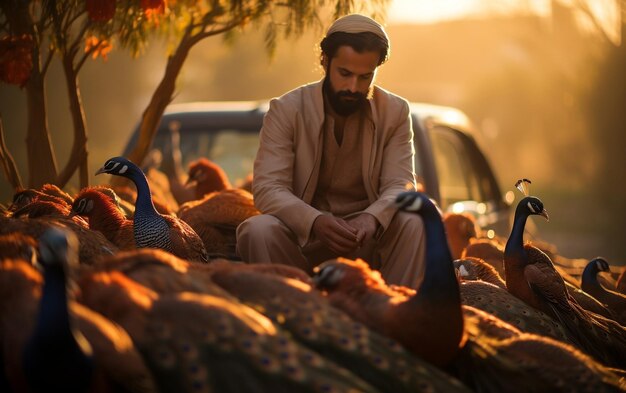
[[499, 358], [33, 203], [413, 321], [476, 269], [615, 301], [246, 184], [152, 229], [54, 190], [18, 245], [115, 363], [461, 228], [531, 276], [620, 285], [309, 317], [211, 343], [216, 216], [105, 216], [502, 304], [23, 197], [92, 244], [489, 250], [208, 176]]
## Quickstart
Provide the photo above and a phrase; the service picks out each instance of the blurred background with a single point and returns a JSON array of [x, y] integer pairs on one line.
[[544, 82]]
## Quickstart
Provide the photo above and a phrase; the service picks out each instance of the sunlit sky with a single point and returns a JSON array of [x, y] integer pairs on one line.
[[432, 11], [429, 11]]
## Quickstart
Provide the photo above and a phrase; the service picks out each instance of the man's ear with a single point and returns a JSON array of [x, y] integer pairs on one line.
[[324, 61]]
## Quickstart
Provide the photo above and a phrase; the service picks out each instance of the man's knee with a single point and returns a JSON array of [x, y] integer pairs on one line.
[[407, 224], [263, 226]]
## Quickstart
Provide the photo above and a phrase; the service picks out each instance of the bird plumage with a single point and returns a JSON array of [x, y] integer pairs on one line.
[[461, 228], [57, 356], [489, 250], [208, 176], [211, 343], [216, 216], [105, 216], [476, 269], [18, 245], [500, 358], [152, 229], [531, 276], [413, 321], [615, 301], [118, 367], [620, 284], [310, 318], [92, 244]]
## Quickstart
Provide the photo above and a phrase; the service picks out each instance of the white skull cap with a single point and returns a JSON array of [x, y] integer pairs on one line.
[[357, 23]]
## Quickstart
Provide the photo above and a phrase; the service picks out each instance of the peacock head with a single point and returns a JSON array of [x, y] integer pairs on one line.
[[416, 202], [328, 275], [529, 205], [532, 206], [57, 246], [601, 264], [117, 166], [82, 206]]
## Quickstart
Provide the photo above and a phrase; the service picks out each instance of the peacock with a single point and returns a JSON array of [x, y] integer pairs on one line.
[[413, 321], [51, 343], [57, 356], [531, 276], [194, 341], [310, 318], [216, 216], [615, 301], [105, 216], [152, 229], [208, 177], [495, 357]]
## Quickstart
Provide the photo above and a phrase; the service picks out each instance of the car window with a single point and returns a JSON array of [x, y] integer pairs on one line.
[[458, 180], [232, 149]]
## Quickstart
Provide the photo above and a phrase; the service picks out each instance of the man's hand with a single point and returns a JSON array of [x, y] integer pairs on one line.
[[366, 225], [336, 234]]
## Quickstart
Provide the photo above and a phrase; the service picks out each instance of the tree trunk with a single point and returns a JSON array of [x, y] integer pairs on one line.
[[8, 164], [42, 166], [78, 155], [160, 100]]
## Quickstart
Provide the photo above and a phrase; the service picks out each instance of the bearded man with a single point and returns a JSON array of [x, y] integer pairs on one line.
[[332, 157]]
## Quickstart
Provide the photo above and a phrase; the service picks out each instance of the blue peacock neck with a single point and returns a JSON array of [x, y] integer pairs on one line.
[[144, 206], [590, 278], [53, 311], [515, 244], [439, 276]]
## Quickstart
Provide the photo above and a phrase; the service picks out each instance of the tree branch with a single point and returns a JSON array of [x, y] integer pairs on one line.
[[584, 7], [8, 164]]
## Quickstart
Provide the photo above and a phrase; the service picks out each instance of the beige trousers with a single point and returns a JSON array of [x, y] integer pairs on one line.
[[398, 253]]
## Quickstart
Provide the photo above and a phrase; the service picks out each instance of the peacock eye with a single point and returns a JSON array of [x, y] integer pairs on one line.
[[110, 165]]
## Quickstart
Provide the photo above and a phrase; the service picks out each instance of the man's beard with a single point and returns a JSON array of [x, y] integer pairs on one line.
[[337, 99]]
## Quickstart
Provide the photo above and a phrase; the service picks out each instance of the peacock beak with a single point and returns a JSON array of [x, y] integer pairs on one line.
[[99, 171], [544, 214]]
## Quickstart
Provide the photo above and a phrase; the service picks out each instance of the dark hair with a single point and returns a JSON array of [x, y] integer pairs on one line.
[[360, 42]]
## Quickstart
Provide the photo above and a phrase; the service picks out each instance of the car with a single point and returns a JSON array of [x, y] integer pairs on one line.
[[448, 161]]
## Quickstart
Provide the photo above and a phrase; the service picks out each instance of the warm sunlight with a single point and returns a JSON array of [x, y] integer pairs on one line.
[[428, 11], [605, 12]]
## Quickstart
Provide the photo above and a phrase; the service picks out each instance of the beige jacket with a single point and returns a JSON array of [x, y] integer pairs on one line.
[[289, 156]]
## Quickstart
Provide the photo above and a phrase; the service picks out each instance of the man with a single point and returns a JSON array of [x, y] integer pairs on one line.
[[333, 155]]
